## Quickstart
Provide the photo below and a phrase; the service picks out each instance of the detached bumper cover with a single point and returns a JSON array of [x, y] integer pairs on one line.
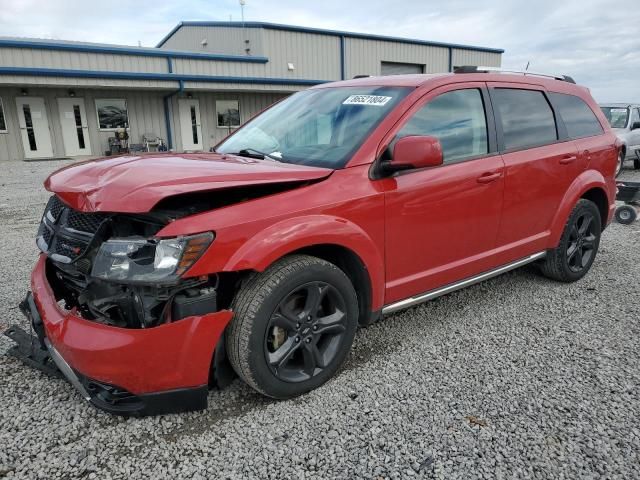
[[128, 371]]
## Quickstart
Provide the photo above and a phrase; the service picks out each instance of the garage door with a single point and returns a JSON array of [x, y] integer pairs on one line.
[[393, 68]]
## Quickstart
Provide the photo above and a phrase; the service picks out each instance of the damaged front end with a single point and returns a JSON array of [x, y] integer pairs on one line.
[[102, 278], [112, 269]]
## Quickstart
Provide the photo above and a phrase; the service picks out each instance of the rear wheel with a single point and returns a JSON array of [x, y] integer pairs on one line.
[[293, 327], [626, 214], [574, 255]]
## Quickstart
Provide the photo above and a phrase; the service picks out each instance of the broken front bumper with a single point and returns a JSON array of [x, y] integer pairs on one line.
[[127, 371]]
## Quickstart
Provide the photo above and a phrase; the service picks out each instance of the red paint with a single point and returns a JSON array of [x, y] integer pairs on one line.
[[171, 356], [136, 184], [415, 231]]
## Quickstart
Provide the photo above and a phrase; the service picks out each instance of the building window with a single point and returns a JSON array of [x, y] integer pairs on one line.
[[112, 113], [228, 112], [3, 122]]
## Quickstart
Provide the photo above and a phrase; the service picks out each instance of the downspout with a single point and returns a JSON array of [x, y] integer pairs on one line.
[[342, 57], [450, 59], [167, 106]]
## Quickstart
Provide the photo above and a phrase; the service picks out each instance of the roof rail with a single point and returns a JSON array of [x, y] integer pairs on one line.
[[475, 69]]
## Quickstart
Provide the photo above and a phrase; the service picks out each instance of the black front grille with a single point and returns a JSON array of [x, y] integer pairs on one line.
[[85, 222], [64, 233]]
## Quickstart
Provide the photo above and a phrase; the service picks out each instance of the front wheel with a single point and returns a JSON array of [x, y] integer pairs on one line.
[[574, 255], [293, 326]]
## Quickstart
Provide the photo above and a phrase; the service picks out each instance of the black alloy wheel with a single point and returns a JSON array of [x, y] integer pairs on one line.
[[306, 331], [572, 258], [582, 242], [293, 326]]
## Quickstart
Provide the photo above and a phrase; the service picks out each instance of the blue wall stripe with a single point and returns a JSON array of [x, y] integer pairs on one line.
[[174, 77], [293, 28], [115, 49]]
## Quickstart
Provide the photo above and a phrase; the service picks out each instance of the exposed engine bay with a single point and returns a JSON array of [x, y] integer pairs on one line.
[[109, 267]]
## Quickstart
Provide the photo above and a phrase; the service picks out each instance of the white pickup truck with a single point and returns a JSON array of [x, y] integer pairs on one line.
[[624, 119]]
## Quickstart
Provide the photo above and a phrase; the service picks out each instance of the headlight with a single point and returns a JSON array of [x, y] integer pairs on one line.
[[148, 260]]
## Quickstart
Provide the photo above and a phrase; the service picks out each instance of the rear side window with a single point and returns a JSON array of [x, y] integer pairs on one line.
[[526, 118], [576, 115], [455, 118]]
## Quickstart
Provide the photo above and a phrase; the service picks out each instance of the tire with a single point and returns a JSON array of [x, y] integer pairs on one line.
[[574, 255], [293, 327], [620, 164], [626, 214], [636, 164]]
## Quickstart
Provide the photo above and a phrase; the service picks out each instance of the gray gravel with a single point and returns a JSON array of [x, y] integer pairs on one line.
[[518, 377]]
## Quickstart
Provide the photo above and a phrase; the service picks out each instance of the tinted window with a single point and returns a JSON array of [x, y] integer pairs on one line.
[[576, 115], [526, 118], [457, 119]]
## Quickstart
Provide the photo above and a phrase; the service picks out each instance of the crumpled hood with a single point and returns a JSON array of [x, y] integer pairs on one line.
[[134, 184]]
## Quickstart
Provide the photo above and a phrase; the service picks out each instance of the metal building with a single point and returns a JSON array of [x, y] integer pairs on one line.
[[62, 99]]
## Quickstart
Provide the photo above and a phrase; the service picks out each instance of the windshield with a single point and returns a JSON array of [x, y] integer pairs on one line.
[[617, 116], [319, 127]]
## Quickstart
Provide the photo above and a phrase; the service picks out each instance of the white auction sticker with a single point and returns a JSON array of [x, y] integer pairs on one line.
[[375, 100]]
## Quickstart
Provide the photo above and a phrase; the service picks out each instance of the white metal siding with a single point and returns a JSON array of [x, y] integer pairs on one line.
[[145, 110], [250, 104], [314, 56], [31, 57], [227, 40], [472, 57], [364, 57]]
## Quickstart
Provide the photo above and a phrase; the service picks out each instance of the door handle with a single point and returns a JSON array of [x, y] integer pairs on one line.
[[568, 159], [489, 177]]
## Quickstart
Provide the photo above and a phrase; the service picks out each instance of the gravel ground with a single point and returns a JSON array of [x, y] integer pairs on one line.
[[518, 377]]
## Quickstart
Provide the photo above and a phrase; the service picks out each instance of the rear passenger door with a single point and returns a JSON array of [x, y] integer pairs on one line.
[[539, 167]]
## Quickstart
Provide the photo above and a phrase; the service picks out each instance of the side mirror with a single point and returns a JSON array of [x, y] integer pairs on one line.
[[415, 152], [635, 126]]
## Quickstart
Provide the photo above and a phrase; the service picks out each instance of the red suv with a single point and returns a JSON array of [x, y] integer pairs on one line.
[[161, 275]]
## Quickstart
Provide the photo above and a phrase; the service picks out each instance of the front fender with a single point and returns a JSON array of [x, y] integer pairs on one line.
[[292, 234], [583, 183]]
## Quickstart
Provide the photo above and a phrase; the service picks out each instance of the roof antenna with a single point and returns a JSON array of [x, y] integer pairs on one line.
[[527, 67]]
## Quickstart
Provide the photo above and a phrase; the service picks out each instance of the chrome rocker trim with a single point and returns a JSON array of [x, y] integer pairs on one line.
[[430, 295]]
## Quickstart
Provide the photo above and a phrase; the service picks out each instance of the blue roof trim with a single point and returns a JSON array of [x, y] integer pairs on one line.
[[174, 77], [115, 49], [293, 28]]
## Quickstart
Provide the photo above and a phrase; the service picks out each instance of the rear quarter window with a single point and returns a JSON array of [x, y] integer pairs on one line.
[[525, 116], [577, 116]]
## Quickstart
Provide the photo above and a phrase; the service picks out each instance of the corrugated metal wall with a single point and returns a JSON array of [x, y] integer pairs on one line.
[[250, 104], [364, 57], [145, 111], [228, 40], [31, 57], [472, 57]]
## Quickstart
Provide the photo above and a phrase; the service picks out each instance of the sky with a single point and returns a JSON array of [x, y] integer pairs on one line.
[[597, 42]]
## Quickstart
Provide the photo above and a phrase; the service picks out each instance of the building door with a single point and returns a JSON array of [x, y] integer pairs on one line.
[[34, 127], [190, 124], [73, 121]]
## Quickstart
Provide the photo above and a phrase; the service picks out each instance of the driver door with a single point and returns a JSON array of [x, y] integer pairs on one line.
[[442, 222]]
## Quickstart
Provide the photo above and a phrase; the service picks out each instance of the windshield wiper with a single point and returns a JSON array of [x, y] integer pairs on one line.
[[252, 152]]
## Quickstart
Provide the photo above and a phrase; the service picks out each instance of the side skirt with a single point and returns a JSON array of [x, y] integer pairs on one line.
[[430, 295]]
